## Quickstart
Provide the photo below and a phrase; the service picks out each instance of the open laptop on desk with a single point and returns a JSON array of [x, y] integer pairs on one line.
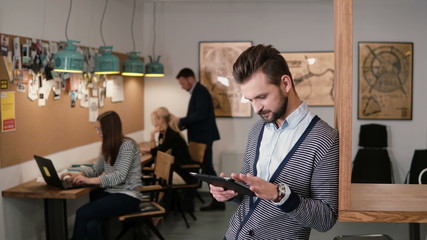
[[51, 176]]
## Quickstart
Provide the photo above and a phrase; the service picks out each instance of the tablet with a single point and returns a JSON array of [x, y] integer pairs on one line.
[[225, 182]]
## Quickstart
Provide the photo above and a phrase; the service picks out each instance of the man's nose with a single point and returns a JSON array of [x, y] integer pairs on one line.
[[256, 106]]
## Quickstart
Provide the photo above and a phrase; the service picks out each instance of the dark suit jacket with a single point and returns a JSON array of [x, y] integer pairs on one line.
[[200, 120]]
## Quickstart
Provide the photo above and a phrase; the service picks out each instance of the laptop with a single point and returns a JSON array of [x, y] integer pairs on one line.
[[51, 176]]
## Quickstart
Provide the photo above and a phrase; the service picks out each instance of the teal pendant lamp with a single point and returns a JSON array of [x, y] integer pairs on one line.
[[133, 66], [107, 63], [68, 60], [154, 68]]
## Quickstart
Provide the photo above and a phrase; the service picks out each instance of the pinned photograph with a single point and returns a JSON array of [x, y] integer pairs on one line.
[[73, 95], [17, 53], [4, 45]]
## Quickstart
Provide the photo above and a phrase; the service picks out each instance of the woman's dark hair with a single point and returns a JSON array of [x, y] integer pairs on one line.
[[112, 136], [264, 58]]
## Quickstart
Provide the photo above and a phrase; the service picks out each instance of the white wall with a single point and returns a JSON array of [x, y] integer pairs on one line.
[[288, 25]]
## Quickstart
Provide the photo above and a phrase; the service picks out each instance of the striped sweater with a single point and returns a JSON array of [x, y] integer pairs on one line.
[[125, 175], [311, 171]]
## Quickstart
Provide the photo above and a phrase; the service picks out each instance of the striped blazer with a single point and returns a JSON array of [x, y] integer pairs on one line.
[[311, 171]]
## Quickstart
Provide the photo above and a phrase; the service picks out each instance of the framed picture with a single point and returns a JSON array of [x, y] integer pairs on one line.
[[313, 74], [216, 61], [385, 80]]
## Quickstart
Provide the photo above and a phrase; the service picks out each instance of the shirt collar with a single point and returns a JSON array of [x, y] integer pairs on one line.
[[192, 88], [294, 118]]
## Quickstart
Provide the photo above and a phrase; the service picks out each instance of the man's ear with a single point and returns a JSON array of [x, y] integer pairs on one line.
[[286, 83]]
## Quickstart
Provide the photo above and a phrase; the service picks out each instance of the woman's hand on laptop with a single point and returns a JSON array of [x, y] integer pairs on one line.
[[68, 175], [78, 178]]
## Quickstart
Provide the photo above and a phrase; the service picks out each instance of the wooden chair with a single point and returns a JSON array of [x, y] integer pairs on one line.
[[197, 152], [151, 208]]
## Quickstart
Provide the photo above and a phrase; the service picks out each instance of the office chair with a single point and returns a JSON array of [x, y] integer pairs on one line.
[[372, 163], [364, 237], [419, 162], [416, 175], [420, 177]]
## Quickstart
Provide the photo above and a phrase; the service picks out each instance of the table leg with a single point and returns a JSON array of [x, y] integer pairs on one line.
[[55, 211], [414, 231]]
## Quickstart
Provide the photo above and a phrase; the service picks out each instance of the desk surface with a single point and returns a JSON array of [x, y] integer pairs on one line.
[[387, 203], [33, 189]]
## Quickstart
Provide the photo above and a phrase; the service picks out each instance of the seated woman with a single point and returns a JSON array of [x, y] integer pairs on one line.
[[117, 171], [170, 138]]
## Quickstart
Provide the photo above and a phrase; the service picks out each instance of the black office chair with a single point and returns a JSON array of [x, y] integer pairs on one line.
[[418, 164], [364, 237], [416, 175], [372, 163]]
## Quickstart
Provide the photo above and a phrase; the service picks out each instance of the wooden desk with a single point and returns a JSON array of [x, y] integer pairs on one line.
[[55, 208], [404, 203]]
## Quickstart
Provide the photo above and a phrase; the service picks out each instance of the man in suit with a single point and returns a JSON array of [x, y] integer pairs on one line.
[[200, 123]]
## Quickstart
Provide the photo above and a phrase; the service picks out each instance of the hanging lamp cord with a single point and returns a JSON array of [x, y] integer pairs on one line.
[[154, 29], [102, 21], [131, 25], [68, 20]]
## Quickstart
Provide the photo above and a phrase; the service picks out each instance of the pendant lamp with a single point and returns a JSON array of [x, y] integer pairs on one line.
[[68, 59], [154, 68], [107, 62], [133, 66]]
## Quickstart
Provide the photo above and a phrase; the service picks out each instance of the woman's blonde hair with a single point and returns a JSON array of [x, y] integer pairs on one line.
[[169, 118]]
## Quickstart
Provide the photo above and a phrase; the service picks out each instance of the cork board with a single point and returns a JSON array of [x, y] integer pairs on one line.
[[57, 126]]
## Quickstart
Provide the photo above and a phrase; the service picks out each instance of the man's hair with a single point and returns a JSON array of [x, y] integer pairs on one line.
[[185, 72], [263, 58]]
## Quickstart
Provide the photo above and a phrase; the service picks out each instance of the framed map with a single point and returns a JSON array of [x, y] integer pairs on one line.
[[216, 61], [385, 80], [313, 75]]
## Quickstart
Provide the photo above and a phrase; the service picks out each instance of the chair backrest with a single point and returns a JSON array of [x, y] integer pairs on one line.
[[364, 237], [197, 151], [373, 135], [372, 166], [163, 166], [419, 162], [372, 163]]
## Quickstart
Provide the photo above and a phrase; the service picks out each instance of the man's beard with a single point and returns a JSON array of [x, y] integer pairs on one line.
[[276, 114]]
